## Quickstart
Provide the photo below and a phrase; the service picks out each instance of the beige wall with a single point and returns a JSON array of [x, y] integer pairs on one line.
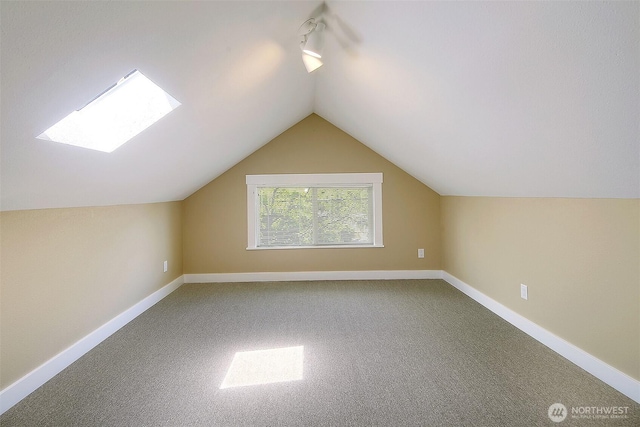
[[579, 257], [66, 272], [215, 217]]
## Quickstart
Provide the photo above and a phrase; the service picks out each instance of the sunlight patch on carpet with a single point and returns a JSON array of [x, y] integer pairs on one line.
[[264, 367]]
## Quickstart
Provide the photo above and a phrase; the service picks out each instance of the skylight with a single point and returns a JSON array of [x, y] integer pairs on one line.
[[115, 116]]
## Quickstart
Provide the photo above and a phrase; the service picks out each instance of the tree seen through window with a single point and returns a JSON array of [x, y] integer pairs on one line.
[[312, 216]]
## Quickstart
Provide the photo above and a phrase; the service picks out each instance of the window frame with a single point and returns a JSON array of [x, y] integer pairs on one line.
[[313, 180]]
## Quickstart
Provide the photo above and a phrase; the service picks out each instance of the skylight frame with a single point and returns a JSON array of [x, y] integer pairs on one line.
[[115, 116]]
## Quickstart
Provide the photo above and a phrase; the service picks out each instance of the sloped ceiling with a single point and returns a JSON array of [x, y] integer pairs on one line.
[[536, 99]]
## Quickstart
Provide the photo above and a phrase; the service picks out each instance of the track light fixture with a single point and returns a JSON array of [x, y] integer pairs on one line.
[[312, 33], [311, 63], [315, 41]]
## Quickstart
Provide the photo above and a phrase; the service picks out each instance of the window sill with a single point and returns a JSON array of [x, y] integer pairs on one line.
[[261, 248]]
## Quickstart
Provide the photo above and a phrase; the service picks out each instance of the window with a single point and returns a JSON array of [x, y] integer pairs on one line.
[[115, 116], [314, 211]]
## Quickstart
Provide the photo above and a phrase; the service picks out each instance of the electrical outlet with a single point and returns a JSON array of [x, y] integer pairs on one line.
[[524, 292], [166, 266], [420, 253]]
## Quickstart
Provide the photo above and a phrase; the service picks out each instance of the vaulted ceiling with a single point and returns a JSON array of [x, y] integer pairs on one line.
[[514, 99]]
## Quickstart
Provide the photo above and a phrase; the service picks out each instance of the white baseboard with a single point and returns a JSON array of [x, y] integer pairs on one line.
[[620, 381], [36, 378], [312, 275], [20, 389]]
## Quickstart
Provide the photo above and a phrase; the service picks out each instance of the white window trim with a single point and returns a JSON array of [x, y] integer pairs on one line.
[[313, 180]]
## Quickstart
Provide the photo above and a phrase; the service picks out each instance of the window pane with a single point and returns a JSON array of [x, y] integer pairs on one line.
[[300, 216], [285, 217], [343, 216]]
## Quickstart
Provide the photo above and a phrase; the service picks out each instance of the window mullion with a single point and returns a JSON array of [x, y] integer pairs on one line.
[[314, 204], [372, 225]]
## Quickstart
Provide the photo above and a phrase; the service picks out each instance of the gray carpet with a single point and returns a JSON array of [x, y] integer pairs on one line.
[[388, 353]]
